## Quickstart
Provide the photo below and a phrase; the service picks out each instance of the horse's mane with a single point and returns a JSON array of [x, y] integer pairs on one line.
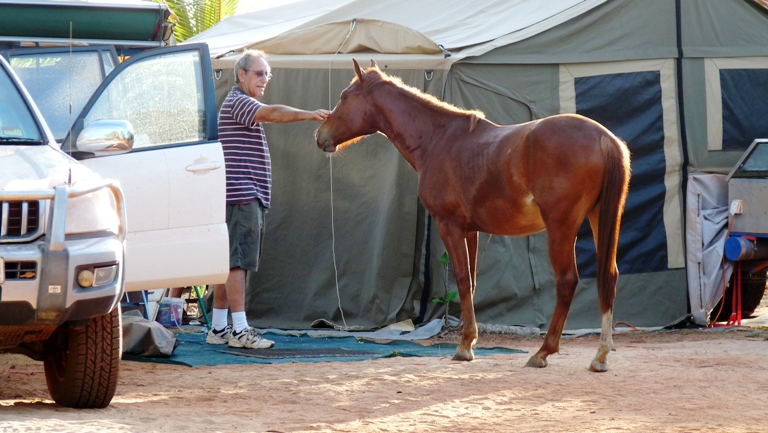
[[430, 101]]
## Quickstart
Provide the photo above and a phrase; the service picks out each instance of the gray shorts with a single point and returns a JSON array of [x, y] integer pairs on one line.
[[245, 224]]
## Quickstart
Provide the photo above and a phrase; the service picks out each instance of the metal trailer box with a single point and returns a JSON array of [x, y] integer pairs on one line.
[[753, 194], [748, 191]]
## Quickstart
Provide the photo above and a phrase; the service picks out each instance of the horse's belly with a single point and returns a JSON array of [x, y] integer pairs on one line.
[[507, 218]]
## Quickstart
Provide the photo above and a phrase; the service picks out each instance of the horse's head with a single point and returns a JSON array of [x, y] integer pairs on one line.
[[353, 117]]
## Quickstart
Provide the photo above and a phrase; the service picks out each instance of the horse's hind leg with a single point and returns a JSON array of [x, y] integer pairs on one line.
[[562, 256], [606, 297], [600, 363]]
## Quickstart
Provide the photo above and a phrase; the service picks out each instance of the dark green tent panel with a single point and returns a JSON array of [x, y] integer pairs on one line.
[[127, 22]]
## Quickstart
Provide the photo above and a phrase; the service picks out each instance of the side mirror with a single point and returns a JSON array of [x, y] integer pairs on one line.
[[105, 137]]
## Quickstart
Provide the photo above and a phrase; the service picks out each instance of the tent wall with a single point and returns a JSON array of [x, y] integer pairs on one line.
[[634, 99], [723, 28], [615, 30], [706, 230], [724, 80], [609, 56], [725, 101], [685, 83]]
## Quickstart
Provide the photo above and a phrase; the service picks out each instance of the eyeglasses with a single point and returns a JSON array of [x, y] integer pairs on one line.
[[260, 74]]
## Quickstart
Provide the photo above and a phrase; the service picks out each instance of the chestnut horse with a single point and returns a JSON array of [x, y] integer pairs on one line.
[[517, 180]]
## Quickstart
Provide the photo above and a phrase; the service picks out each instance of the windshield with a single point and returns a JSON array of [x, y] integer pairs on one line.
[[54, 79], [17, 123], [755, 164]]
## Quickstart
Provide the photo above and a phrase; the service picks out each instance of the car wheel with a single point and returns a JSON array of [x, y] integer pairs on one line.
[[82, 362], [752, 291]]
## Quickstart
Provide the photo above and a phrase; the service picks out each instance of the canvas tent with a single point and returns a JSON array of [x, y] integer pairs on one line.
[[682, 82]]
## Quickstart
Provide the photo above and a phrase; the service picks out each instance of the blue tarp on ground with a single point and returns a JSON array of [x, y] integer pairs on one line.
[[194, 352]]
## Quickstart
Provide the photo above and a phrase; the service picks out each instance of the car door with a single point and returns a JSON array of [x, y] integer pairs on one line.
[[173, 177]]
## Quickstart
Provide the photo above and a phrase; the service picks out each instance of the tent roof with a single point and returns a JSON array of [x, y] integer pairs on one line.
[[365, 35], [239, 31], [393, 27]]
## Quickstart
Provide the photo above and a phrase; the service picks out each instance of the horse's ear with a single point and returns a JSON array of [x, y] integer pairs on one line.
[[358, 71], [374, 64]]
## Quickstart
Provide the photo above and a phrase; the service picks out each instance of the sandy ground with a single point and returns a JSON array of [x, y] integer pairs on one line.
[[681, 381]]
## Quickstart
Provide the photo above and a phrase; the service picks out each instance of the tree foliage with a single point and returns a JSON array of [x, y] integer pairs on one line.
[[195, 16]]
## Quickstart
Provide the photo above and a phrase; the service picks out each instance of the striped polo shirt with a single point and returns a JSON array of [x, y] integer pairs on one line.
[[246, 154]]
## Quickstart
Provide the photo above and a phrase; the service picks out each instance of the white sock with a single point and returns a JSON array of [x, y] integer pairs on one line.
[[239, 322], [219, 318]]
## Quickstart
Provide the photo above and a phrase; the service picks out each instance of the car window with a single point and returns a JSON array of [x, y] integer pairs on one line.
[[54, 79], [17, 123], [162, 97]]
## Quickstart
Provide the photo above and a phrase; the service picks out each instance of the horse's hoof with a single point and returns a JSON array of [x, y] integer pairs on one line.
[[536, 362], [598, 367], [463, 355]]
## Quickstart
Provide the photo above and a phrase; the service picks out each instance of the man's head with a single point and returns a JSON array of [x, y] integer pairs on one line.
[[252, 73]]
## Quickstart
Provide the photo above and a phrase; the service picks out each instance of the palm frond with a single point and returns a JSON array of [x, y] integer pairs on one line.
[[196, 16]]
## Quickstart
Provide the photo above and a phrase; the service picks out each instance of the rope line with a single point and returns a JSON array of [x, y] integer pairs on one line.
[[330, 165], [634, 329]]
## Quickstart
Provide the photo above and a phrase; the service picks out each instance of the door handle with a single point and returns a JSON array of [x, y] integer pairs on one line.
[[203, 167]]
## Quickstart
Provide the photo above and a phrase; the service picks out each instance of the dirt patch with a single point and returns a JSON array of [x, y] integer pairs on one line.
[[681, 381]]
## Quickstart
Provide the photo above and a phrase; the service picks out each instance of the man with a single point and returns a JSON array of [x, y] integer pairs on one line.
[[249, 184]]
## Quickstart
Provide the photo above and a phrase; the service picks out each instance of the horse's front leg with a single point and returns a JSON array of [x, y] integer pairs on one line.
[[455, 241], [472, 240]]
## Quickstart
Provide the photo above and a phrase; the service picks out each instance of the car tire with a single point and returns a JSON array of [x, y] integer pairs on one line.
[[82, 362], [752, 291]]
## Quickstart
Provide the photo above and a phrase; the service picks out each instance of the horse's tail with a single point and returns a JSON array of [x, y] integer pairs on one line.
[[612, 198]]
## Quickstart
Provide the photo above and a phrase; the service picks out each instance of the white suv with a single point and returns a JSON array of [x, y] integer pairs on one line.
[[71, 242]]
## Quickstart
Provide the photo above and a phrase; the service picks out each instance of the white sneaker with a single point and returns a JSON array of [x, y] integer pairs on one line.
[[249, 339], [220, 336]]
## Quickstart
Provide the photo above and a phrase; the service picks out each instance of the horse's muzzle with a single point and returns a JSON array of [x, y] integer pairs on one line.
[[324, 142]]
